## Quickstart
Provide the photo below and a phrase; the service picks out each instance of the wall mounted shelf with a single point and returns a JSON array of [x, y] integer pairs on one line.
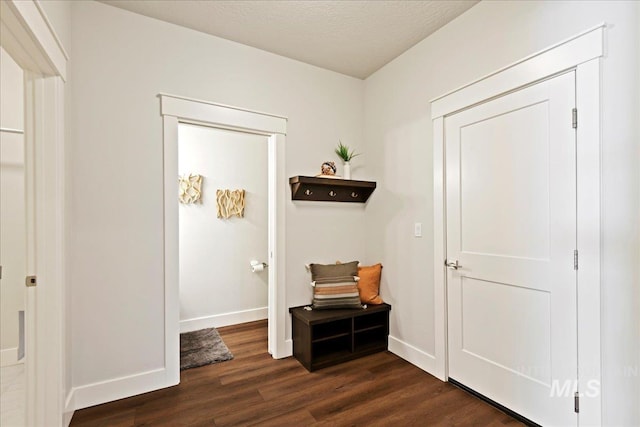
[[330, 190]]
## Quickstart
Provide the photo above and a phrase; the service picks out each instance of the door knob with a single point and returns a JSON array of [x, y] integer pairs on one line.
[[452, 264]]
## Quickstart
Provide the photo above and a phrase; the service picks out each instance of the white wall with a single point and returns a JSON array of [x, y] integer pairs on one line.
[[13, 249], [121, 61], [398, 132], [217, 287], [12, 90]]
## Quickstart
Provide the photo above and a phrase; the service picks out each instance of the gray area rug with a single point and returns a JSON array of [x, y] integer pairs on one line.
[[203, 347]]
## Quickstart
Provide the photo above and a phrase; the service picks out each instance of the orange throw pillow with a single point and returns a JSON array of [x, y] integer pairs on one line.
[[369, 284]]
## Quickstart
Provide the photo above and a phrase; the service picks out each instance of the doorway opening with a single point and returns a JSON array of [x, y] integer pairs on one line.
[[223, 218], [13, 243], [180, 111]]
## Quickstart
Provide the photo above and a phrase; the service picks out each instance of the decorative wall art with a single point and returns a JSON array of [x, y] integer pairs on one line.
[[190, 189], [230, 202]]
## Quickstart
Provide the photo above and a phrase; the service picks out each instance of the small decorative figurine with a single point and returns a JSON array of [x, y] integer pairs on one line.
[[328, 168]]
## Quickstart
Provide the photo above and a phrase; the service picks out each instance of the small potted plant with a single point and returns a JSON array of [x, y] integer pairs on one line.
[[346, 155]]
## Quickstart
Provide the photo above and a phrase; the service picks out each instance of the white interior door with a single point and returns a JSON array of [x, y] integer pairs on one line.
[[511, 227]]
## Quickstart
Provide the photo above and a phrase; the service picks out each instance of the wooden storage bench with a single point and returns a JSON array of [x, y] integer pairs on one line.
[[323, 338]]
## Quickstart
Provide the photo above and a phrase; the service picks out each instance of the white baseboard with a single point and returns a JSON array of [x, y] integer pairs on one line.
[[118, 388], [413, 355], [225, 319], [68, 416], [9, 356], [69, 406]]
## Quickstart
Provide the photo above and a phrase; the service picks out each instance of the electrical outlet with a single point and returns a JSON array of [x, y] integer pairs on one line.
[[417, 229]]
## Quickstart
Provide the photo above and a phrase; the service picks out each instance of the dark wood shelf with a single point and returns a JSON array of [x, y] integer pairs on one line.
[[331, 337], [330, 190], [320, 339], [370, 328]]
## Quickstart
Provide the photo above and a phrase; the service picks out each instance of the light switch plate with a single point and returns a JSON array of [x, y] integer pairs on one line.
[[417, 229]]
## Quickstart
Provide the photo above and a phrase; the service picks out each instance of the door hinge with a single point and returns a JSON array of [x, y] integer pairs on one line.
[[576, 402], [574, 118], [575, 259]]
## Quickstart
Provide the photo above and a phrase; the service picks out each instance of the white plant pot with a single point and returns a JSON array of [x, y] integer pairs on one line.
[[347, 170]]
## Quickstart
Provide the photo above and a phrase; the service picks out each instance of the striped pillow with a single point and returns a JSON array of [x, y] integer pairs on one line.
[[335, 286]]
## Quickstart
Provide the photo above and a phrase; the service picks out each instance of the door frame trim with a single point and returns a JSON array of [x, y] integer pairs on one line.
[[176, 110], [28, 36], [583, 54]]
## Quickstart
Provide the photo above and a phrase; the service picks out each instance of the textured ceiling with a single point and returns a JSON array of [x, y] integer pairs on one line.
[[351, 37]]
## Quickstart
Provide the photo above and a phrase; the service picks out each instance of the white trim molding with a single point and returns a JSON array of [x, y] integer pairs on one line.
[[279, 347], [30, 36], [115, 389], [439, 251], [563, 56], [225, 116], [69, 408], [175, 110], [27, 36], [588, 88], [581, 53], [411, 354], [45, 314]]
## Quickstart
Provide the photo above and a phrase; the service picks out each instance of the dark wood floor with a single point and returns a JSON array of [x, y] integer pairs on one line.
[[254, 389]]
